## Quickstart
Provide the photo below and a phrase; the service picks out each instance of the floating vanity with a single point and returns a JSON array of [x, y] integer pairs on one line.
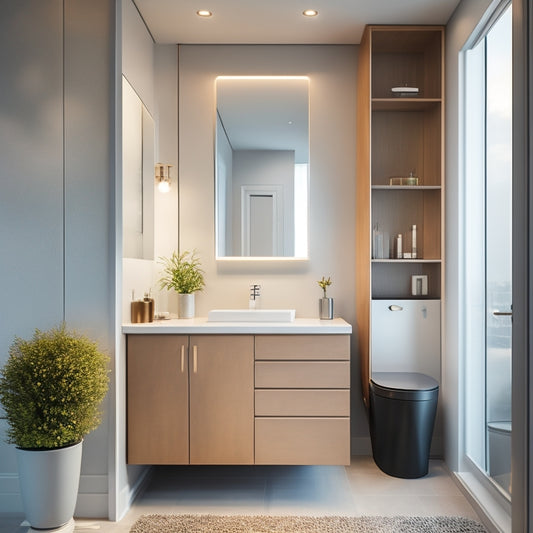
[[202, 392]]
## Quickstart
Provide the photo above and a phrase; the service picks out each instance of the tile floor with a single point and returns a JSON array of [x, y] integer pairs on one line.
[[359, 489]]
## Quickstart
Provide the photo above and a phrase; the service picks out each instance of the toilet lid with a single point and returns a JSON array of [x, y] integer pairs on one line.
[[404, 385]]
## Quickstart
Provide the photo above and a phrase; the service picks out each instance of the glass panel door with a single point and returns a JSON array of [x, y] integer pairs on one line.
[[487, 252], [498, 250]]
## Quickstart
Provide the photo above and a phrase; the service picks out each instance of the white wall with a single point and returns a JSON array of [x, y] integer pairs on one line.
[[56, 214], [331, 70], [461, 25]]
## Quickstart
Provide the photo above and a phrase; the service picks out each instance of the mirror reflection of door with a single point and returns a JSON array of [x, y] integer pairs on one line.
[[262, 221], [261, 226]]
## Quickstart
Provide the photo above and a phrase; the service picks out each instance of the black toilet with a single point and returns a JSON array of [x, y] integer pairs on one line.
[[402, 413]]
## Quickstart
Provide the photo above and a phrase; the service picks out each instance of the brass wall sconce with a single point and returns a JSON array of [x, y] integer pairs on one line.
[[162, 177]]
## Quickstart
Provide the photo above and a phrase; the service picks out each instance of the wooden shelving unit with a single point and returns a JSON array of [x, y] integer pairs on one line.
[[397, 136]]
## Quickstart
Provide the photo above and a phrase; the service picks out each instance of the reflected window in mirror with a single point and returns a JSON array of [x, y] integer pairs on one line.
[[262, 167]]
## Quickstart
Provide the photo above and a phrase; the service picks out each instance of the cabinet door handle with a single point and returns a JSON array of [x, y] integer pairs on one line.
[[395, 308], [502, 313], [195, 359], [182, 358]]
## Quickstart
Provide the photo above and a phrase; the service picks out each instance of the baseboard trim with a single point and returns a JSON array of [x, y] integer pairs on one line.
[[91, 502], [494, 517], [129, 492]]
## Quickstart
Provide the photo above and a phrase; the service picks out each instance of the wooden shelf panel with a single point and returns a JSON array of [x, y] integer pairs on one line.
[[400, 261], [407, 187], [404, 104]]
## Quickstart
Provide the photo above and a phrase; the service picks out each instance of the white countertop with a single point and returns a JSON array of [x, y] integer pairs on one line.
[[188, 326]]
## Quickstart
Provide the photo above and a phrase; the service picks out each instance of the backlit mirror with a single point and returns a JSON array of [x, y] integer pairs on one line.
[[262, 167]]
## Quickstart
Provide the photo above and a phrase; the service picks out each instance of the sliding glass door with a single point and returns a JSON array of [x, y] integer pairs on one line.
[[488, 254], [498, 250]]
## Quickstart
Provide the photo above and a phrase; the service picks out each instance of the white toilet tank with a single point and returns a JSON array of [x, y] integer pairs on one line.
[[406, 336]]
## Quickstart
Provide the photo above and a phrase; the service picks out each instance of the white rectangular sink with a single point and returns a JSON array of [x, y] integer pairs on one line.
[[251, 315]]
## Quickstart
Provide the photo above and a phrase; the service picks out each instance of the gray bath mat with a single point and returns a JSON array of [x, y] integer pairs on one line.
[[178, 523]]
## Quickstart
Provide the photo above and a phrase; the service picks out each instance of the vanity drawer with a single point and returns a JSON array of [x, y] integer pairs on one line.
[[298, 347], [302, 375], [302, 441], [302, 402]]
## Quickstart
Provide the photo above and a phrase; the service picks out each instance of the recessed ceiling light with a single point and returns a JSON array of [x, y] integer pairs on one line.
[[204, 13], [310, 13]]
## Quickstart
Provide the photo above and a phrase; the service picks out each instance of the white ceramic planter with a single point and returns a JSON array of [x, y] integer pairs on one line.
[[186, 305], [49, 481]]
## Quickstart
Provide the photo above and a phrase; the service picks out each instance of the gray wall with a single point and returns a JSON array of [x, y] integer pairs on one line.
[[56, 201]]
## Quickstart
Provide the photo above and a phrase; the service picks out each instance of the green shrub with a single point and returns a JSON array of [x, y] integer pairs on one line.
[[51, 388], [182, 273]]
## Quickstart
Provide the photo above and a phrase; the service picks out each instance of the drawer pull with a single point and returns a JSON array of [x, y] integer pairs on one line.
[[195, 359]]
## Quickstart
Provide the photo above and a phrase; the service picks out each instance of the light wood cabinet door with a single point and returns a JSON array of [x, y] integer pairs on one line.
[[221, 399], [158, 399]]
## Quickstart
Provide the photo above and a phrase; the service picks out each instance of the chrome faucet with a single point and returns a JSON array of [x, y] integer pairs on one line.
[[255, 294]]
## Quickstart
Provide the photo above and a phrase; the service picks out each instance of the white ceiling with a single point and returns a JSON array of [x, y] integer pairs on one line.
[[281, 21]]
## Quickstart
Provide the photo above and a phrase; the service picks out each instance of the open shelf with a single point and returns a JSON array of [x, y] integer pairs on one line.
[[406, 57], [392, 279], [398, 136]]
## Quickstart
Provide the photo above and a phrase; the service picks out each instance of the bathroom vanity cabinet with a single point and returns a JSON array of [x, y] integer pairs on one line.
[[190, 399], [398, 133], [238, 398]]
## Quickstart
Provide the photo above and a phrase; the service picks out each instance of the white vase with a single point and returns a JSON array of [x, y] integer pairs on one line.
[[49, 481], [186, 305]]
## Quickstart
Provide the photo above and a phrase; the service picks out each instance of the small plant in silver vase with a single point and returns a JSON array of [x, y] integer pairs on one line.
[[325, 304]]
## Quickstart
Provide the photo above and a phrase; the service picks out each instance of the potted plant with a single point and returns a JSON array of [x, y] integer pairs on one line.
[[325, 304], [183, 274], [51, 388]]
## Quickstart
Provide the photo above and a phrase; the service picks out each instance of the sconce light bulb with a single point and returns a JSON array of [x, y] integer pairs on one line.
[[163, 186]]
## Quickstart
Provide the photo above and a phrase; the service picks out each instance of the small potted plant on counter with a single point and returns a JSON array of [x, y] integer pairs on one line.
[[325, 304], [183, 274], [51, 388]]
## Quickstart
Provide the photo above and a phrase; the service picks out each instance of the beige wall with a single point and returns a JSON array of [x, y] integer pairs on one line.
[[331, 70]]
